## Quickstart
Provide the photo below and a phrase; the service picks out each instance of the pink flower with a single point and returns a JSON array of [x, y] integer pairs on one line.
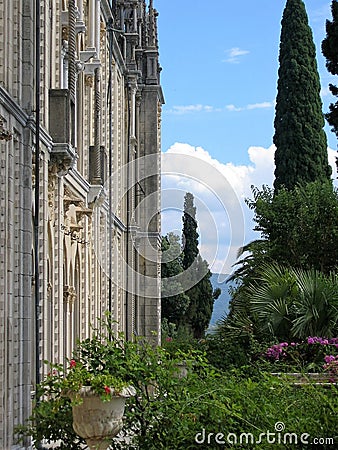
[[329, 358], [72, 363], [169, 339], [107, 389]]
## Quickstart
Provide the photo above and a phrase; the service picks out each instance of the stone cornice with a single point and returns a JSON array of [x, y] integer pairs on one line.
[[24, 119], [13, 108]]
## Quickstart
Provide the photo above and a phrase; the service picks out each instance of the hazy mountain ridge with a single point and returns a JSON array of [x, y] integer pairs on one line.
[[221, 305]]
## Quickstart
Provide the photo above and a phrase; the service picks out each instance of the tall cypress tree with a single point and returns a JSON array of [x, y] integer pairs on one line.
[[329, 50], [201, 295], [174, 302], [190, 235], [301, 146]]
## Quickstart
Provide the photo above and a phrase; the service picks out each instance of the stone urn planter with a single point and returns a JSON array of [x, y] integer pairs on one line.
[[98, 421], [182, 369]]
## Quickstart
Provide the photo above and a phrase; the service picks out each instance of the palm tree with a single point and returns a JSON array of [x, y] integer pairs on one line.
[[285, 304], [272, 296], [316, 304]]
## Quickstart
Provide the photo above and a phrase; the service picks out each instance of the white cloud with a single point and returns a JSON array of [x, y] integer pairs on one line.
[[220, 190], [186, 109], [234, 55], [262, 105], [250, 107], [199, 108], [325, 91], [233, 108]]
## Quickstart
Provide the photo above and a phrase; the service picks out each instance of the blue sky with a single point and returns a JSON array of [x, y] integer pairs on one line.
[[219, 77]]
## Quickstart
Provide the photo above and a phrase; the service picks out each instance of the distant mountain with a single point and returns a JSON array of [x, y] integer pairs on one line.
[[221, 305]]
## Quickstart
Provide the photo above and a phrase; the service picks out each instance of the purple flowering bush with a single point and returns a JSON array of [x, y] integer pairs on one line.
[[331, 365], [314, 354]]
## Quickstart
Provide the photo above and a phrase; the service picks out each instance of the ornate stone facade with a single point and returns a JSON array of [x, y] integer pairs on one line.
[[98, 202]]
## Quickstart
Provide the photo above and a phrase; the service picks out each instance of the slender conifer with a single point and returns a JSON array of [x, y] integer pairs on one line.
[[301, 145]]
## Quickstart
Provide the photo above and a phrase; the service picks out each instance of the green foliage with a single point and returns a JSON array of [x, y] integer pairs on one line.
[[190, 235], [155, 373], [306, 356], [329, 50], [226, 353], [181, 343], [316, 304], [103, 361], [299, 228], [168, 329], [301, 146], [272, 300], [174, 302], [202, 299], [201, 294], [284, 303], [172, 409], [233, 403], [187, 294], [51, 420]]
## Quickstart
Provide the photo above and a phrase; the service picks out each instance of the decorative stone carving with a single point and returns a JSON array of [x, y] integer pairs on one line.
[[49, 288], [33, 170], [65, 33], [89, 80], [5, 135], [103, 32], [81, 211], [96, 196], [69, 295], [159, 115], [63, 157], [97, 421], [70, 199], [52, 180]]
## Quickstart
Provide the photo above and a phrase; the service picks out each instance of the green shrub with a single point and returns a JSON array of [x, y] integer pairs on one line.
[[175, 411]]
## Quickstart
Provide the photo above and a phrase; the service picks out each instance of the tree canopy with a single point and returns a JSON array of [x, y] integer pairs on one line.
[[190, 235], [329, 50], [301, 145], [299, 227], [174, 301], [188, 305]]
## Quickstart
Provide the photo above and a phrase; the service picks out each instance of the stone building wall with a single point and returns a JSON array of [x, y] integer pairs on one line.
[[98, 241]]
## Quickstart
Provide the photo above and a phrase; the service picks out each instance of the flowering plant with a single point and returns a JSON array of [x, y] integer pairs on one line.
[[109, 365], [307, 354], [103, 383], [103, 362], [331, 364]]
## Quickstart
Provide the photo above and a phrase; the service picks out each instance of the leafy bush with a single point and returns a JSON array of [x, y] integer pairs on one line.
[[171, 410], [214, 403], [305, 356], [106, 363]]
